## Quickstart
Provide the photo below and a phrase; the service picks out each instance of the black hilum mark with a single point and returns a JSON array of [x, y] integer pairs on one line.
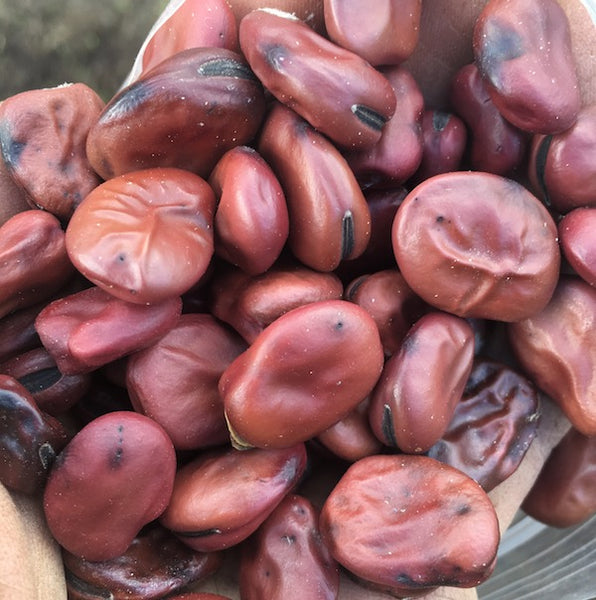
[[371, 118], [347, 234]]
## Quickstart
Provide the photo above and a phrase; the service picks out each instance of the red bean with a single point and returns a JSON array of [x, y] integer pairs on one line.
[[576, 235]]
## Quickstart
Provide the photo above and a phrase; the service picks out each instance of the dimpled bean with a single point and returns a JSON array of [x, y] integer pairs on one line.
[[421, 384], [287, 554], [329, 217], [576, 235], [42, 140], [353, 100], [302, 374], [492, 426], [407, 524], [556, 348], [523, 50], [145, 236], [221, 497], [477, 245], [200, 102], [251, 220], [115, 476], [174, 381]]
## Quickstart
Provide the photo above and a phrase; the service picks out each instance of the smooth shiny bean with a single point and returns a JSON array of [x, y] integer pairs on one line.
[[578, 244]]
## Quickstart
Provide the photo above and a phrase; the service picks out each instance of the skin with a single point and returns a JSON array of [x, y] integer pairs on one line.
[[30, 565]]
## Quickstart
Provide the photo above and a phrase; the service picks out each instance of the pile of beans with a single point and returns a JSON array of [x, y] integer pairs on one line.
[[264, 268]]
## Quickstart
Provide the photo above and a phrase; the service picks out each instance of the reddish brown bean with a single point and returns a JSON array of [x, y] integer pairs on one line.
[[492, 426], [175, 380], [523, 50], [496, 146], [249, 304], [407, 524], [385, 33], [251, 220], [200, 102], [576, 235], [89, 329], [42, 141], [17, 332], [29, 439], [145, 236], [34, 262], [287, 554], [353, 101], [329, 217], [302, 374], [115, 476], [565, 492], [556, 348], [421, 384], [156, 564], [222, 497], [477, 245]]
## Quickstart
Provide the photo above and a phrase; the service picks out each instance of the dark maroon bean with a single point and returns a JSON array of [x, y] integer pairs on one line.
[[251, 220], [103, 397], [222, 497], [385, 33], [146, 236], [523, 50], [495, 145], [565, 492], [421, 384], [115, 476], [89, 329], [556, 348], [249, 304], [477, 245], [287, 554], [576, 235], [42, 140], [18, 333], [353, 102], [175, 380], [329, 217], [29, 439], [200, 102], [302, 374], [407, 524], [493, 425], [156, 564]]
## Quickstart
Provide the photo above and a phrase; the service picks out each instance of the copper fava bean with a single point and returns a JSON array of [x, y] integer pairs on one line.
[[155, 565], [477, 245], [492, 426], [397, 155], [194, 24], [89, 329], [444, 139], [145, 236], [115, 476], [421, 384], [388, 299], [251, 220], [496, 146], [352, 102], [576, 235], [200, 102], [560, 166], [384, 35], [53, 391], [523, 50], [34, 262], [29, 439], [430, 516], [287, 554], [175, 380], [556, 348], [302, 374], [222, 497], [249, 304], [329, 217], [565, 492], [42, 140]]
